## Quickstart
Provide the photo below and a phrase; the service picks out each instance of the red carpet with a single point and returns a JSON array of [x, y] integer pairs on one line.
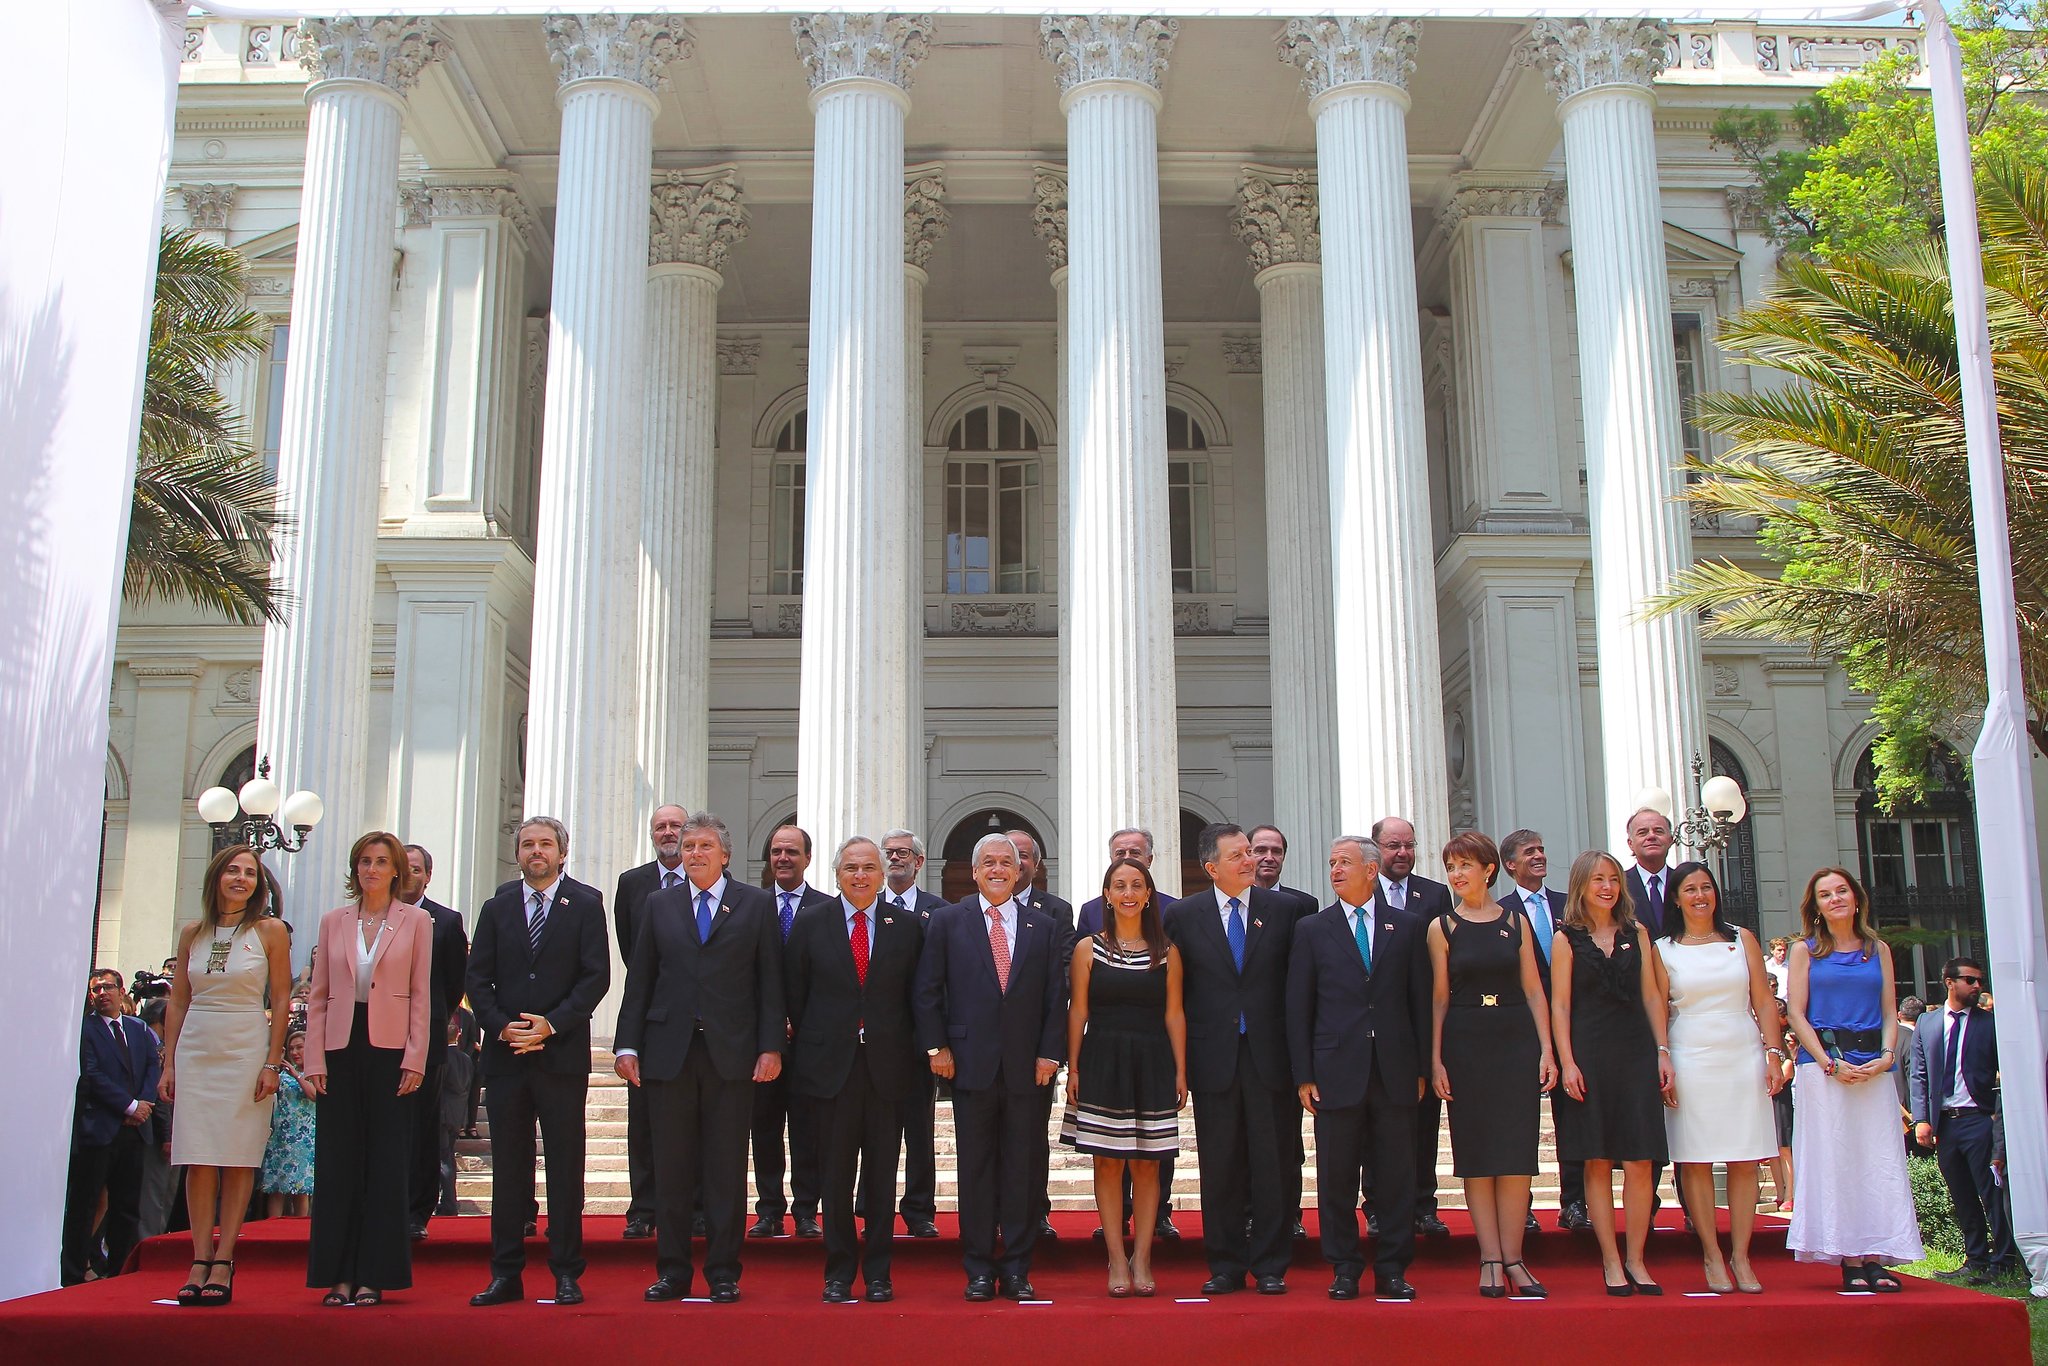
[[275, 1318]]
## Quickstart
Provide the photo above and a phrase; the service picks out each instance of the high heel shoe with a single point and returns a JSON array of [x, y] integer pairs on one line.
[[216, 1296], [1752, 1286], [1534, 1289], [188, 1293], [1719, 1287], [1144, 1287], [1622, 1291], [1642, 1287], [1491, 1292]]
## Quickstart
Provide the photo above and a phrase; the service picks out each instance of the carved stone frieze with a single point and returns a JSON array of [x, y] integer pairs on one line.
[[1276, 218], [616, 47], [993, 618], [390, 51], [1333, 51], [1243, 355], [1108, 47], [1049, 212], [1577, 55], [876, 47], [1502, 201], [208, 206], [738, 355], [925, 216]]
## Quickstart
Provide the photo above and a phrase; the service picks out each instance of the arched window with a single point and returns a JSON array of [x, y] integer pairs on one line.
[[1188, 503], [1737, 870], [994, 514], [786, 510], [232, 777]]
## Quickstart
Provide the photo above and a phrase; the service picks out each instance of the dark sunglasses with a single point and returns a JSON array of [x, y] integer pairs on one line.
[[1966, 977]]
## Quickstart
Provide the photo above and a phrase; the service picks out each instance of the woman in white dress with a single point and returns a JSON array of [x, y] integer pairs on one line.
[[222, 1056], [1723, 1017]]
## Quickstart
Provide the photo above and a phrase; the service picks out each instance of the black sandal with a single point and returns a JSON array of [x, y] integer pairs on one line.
[[215, 1296], [1880, 1280], [1534, 1289], [1852, 1280], [334, 1299], [1491, 1292], [188, 1293], [368, 1295]]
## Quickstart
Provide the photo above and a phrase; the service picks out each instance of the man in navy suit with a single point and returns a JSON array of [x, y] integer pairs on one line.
[[903, 860], [1401, 888], [1649, 880], [775, 1106], [665, 870], [451, 962], [1269, 860], [1954, 1087], [1525, 861], [992, 1016], [1358, 1016], [118, 1067]]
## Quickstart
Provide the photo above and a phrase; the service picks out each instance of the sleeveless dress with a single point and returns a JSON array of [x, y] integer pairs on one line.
[[1490, 1049], [222, 1045], [1127, 1106], [1622, 1117], [288, 1161], [1717, 1058]]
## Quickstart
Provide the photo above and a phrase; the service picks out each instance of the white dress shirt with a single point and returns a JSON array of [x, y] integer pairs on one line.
[[1244, 908], [1356, 915], [1955, 1089]]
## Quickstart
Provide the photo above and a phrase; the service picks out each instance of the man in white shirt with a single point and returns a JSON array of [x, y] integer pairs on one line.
[[1955, 1102]]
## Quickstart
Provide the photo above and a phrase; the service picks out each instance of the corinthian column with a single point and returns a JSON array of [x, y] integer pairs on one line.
[[581, 743], [925, 220], [854, 693], [1120, 745], [1277, 220], [314, 709], [1651, 721], [697, 220], [1390, 739]]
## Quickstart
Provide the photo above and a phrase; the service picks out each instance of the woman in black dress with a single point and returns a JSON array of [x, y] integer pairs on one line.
[[1492, 1059], [1129, 1079], [1607, 1016]]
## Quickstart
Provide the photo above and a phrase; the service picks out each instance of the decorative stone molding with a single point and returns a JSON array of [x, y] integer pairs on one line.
[[1835, 54], [1502, 201], [789, 620], [1243, 355], [208, 206], [615, 47], [422, 203], [1333, 52], [992, 363], [1766, 54], [925, 217], [1107, 47], [993, 618], [1746, 207], [1195, 619], [698, 218], [1276, 218], [1176, 360], [1577, 55], [391, 52], [738, 355], [1701, 51], [166, 673], [875, 47], [239, 687], [278, 286], [1049, 212], [1727, 682]]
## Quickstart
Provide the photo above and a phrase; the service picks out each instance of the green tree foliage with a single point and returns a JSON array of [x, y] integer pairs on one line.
[[205, 508]]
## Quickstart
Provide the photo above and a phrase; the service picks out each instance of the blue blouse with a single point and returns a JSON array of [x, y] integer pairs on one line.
[[1845, 991]]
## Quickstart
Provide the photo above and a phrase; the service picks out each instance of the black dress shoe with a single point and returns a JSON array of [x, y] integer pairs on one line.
[[725, 1292], [1574, 1219], [1392, 1288], [698, 1228], [767, 1226], [1164, 1229], [532, 1229], [501, 1290], [1018, 1288], [807, 1226], [881, 1291], [1343, 1287], [1047, 1231], [418, 1232], [1429, 1226], [838, 1292], [1272, 1285], [1220, 1284], [567, 1291], [639, 1228], [666, 1289], [1529, 1224], [1372, 1226], [980, 1289], [1300, 1233], [920, 1228]]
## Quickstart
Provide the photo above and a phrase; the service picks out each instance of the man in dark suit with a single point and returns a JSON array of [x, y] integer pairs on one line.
[[702, 1024], [1954, 1088], [665, 830], [537, 970], [1269, 859], [903, 860], [850, 967], [118, 1068], [1649, 879], [992, 1016], [775, 1106], [1524, 860], [1358, 1016], [1030, 862], [451, 961], [1233, 944]]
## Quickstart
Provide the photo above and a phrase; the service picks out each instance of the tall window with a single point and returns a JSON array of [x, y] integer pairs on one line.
[[273, 393], [1920, 864], [1188, 504], [1688, 346], [1737, 861], [232, 777], [786, 511], [994, 514]]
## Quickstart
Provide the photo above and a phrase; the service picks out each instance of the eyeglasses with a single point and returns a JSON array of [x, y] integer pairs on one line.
[[1973, 981], [104, 986]]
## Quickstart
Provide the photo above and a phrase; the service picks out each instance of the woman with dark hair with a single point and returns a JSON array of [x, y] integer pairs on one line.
[[1607, 1018], [1129, 1079], [1492, 1059], [366, 1043], [1855, 1203], [1724, 1056], [222, 1056]]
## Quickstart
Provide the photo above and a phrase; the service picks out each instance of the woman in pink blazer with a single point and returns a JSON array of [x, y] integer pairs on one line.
[[366, 1049]]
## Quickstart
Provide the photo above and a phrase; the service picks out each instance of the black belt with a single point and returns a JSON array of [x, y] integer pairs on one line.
[[1836, 1041], [1958, 1111]]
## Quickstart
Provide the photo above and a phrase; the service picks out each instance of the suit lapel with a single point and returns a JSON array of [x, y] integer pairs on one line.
[[1208, 924], [1254, 922], [383, 946], [988, 949], [842, 944]]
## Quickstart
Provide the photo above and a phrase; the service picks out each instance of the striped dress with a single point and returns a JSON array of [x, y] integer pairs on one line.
[[1128, 1102]]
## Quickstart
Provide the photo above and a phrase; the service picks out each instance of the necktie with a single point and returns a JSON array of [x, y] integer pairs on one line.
[[1950, 1054], [860, 946], [1364, 938], [703, 916], [668, 878], [788, 914], [897, 902], [1654, 882], [121, 1040], [999, 945], [1397, 894], [536, 920], [1539, 918], [1235, 930]]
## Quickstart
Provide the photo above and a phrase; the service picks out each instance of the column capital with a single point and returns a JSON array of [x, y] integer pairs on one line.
[[1577, 55], [208, 206], [1276, 217], [615, 47], [698, 217], [1107, 47], [874, 47], [390, 52], [1519, 197], [1049, 212], [422, 202], [925, 217], [1333, 52]]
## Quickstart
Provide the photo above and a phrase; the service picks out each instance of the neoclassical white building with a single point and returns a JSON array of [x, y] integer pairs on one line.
[[974, 420]]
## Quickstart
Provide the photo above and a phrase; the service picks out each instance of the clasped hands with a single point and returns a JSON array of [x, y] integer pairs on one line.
[[527, 1033]]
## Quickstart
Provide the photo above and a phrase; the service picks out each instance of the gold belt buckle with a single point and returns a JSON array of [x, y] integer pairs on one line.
[[1487, 998]]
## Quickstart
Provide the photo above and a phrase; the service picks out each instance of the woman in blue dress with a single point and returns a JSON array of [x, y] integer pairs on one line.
[[287, 1180]]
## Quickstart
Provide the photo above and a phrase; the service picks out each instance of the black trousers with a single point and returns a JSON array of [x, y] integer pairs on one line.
[[1983, 1207], [446, 1182], [777, 1106], [858, 1130], [1385, 1126], [639, 1157], [1245, 1155], [515, 1101], [425, 1104], [920, 1152], [115, 1168], [362, 1155], [1002, 1149], [699, 1121], [1429, 1119]]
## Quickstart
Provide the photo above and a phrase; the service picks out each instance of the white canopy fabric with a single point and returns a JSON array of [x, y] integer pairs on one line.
[[77, 262]]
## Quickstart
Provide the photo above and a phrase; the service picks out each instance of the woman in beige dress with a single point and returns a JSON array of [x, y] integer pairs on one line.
[[222, 1054]]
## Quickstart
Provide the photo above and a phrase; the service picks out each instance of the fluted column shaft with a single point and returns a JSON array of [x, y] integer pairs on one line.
[[914, 280]]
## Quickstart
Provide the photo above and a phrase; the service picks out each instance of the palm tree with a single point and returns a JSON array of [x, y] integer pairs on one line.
[[205, 508], [1859, 476]]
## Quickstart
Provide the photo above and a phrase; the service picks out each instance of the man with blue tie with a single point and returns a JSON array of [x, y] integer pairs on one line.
[[1524, 860], [118, 1068], [1953, 1068], [1403, 889], [1649, 839], [776, 1104]]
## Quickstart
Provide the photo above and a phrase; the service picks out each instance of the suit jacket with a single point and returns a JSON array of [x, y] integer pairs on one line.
[[1062, 912], [730, 983], [1304, 904], [1341, 1019], [1214, 993], [1639, 897], [1928, 1083], [960, 1004], [1089, 920], [401, 987], [635, 886], [1427, 898], [451, 962], [109, 1083], [831, 1011], [1514, 899], [563, 979]]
